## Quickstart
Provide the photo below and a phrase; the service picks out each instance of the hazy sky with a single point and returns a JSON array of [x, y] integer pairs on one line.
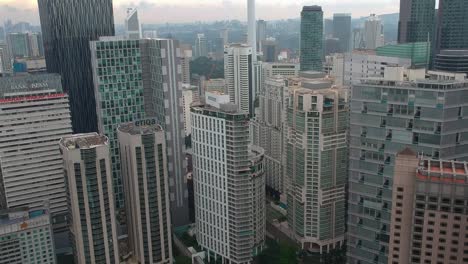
[[161, 11]]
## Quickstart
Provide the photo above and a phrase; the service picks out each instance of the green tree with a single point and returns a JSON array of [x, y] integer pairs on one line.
[[207, 67]]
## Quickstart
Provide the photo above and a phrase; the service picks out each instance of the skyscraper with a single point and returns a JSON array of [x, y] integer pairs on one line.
[[238, 69], [201, 48], [36, 45], [316, 162], [417, 19], [453, 24], [132, 24], [67, 28], [261, 34], [186, 51], [342, 31], [229, 183], [388, 115], [144, 171], [91, 199], [146, 84], [34, 114], [6, 67], [429, 210], [311, 38], [26, 236], [373, 32], [18, 44], [252, 28]]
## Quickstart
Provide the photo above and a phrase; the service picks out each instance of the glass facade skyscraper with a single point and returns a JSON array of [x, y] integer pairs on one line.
[[67, 28], [417, 21], [453, 24], [429, 116], [311, 38], [342, 31]]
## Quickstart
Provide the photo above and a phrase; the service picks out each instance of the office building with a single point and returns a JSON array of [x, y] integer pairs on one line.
[[200, 48], [214, 85], [429, 222], [418, 52], [316, 162], [34, 114], [144, 171], [229, 183], [452, 61], [36, 45], [452, 24], [18, 44], [330, 46], [328, 28], [373, 32], [358, 41], [261, 34], [129, 94], [92, 221], [269, 50], [67, 29], [311, 38], [334, 67], [417, 21], [279, 68], [26, 236], [342, 31], [268, 131], [224, 34], [132, 24], [5, 58], [185, 59], [150, 34], [252, 29], [387, 115], [238, 69]]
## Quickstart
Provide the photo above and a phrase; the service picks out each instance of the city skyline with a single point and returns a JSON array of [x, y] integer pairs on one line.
[[210, 10]]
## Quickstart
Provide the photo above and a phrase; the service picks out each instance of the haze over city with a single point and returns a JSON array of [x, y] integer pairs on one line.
[[169, 11]]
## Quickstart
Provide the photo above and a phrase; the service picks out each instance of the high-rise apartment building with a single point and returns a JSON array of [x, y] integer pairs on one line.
[[429, 222], [86, 162], [200, 48], [132, 24], [188, 96], [373, 32], [146, 84], [67, 28], [18, 44], [387, 115], [36, 45], [316, 162], [144, 171], [34, 115], [452, 24], [417, 21], [5, 58], [26, 236], [229, 183], [311, 38], [342, 31], [268, 130], [186, 51], [238, 69]]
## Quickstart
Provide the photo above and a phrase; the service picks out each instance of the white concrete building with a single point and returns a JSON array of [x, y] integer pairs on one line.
[[229, 184], [201, 49], [132, 24], [34, 115], [188, 94], [334, 67], [92, 221], [278, 68], [364, 64], [373, 32], [145, 177], [238, 69]]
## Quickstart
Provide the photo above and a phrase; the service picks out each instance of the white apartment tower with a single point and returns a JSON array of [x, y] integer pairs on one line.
[[86, 162], [373, 32], [144, 173], [238, 69], [132, 24], [201, 49], [229, 183], [34, 115]]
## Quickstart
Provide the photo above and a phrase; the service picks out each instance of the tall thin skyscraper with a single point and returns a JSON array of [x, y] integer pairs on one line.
[[144, 171], [229, 182], [147, 84], [252, 28], [87, 166], [67, 28], [238, 69], [201, 48], [34, 114], [132, 24], [261, 34], [316, 162], [417, 21], [342, 31], [453, 24], [373, 32], [388, 115], [311, 38]]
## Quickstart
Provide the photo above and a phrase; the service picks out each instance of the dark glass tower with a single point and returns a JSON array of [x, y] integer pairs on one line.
[[311, 38], [453, 24], [417, 20], [342, 31], [67, 28]]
